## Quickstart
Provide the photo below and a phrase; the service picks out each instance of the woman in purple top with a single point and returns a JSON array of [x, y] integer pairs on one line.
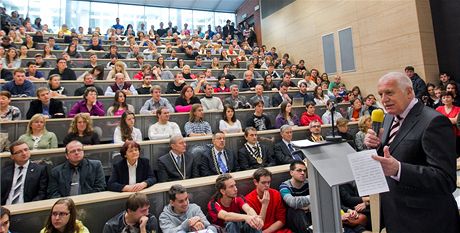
[[286, 117], [89, 104]]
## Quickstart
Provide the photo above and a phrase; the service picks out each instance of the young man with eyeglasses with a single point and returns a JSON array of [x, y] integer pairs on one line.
[[22, 181], [77, 175], [296, 195]]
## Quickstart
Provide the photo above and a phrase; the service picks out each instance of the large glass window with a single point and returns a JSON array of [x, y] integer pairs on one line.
[[97, 14], [221, 18], [203, 19], [185, 17], [79, 15], [130, 14], [155, 15], [103, 15]]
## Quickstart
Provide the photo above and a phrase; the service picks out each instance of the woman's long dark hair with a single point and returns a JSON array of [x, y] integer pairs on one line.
[[126, 131], [116, 105]]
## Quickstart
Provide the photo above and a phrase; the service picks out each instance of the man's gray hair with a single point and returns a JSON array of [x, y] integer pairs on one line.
[[284, 128], [403, 81], [174, 139]]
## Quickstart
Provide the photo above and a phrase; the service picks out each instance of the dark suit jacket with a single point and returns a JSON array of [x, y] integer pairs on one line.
[[283, 155], [34, 186], [228, 30], [120, 174], [208, 167], [277, 99], [422, 200], [167, 171], [349, 196], [246, 161], [54, 108], [92, 178]]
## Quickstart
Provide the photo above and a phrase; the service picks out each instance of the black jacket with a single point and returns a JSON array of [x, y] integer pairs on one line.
[[55, 108]]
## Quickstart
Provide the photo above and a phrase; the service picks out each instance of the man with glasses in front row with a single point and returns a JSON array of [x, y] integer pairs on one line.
[[77, 175], [22, 180]]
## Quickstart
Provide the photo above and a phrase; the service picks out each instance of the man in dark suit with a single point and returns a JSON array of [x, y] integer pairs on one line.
[[417, 154], [29, 179], [217, 160], [284, 151], [254, 155], [77, 175], [282, 95], [45, 105], [177, 164], [228, 30]]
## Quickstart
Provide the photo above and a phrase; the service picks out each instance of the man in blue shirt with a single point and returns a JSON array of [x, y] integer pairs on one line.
[[19, 86], [32, 74], [118, 25]]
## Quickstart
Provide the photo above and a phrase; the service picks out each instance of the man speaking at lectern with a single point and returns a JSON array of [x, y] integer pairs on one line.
[[416, 149]]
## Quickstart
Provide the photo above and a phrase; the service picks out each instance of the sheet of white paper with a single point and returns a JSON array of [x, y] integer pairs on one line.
[[304, 143], [368, 173]]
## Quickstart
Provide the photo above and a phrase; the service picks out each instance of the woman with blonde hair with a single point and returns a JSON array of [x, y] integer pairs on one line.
[[119, 67], [81, 129], [36, 136], [364, 124], [63, 218]]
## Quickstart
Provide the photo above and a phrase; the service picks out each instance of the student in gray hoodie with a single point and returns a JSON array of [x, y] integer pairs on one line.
[[181, 216]]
